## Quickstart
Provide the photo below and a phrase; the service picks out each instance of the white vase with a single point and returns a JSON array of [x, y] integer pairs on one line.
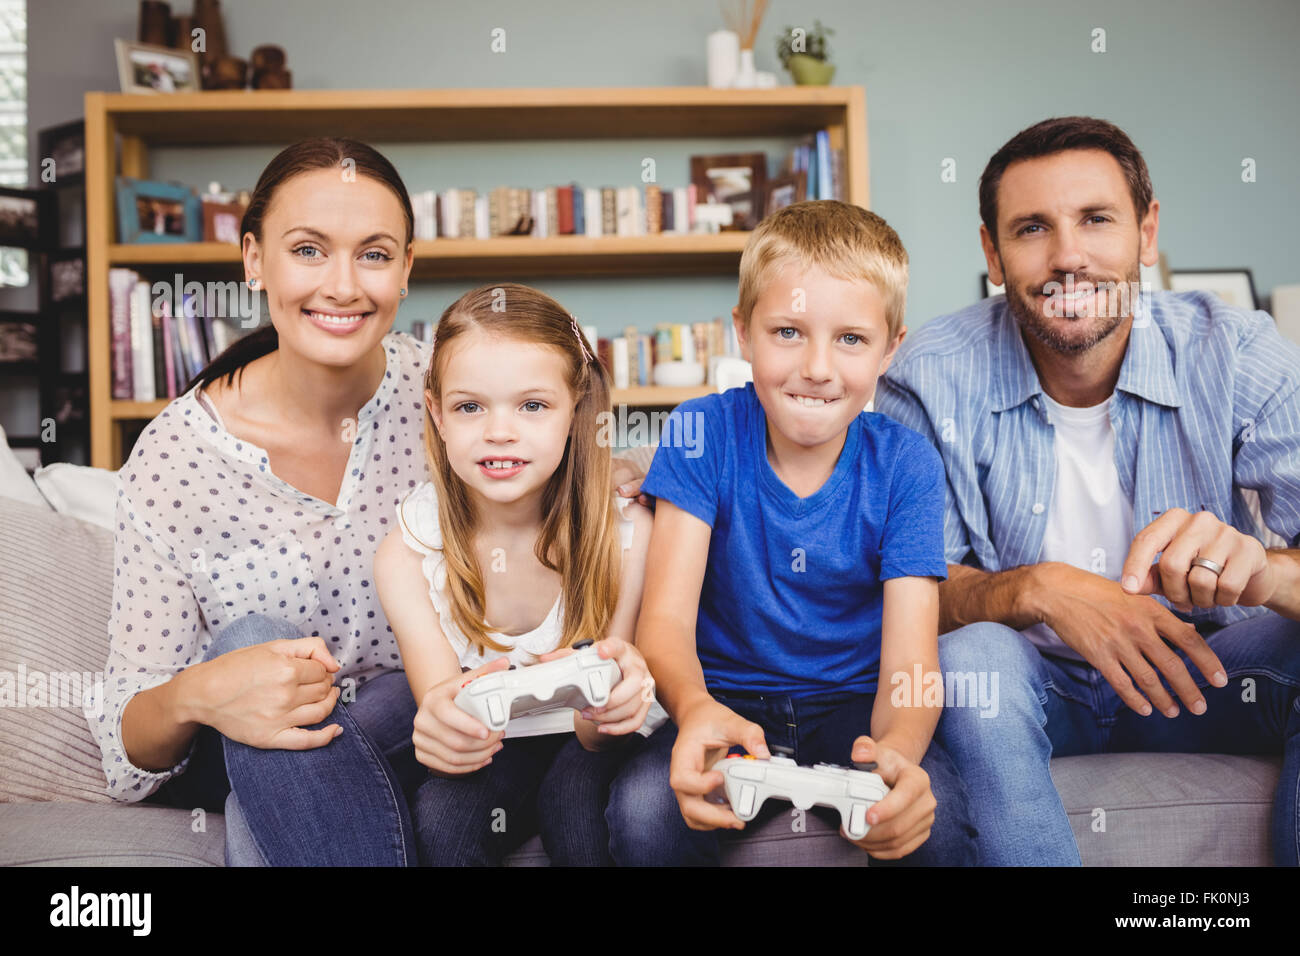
[[724, 58], [746, 75]]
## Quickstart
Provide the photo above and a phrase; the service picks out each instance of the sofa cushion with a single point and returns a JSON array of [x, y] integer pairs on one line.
[[1169, 809], [72, 834], [56, 585]]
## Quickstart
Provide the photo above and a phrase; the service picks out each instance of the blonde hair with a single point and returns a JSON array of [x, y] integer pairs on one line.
[[847, 241], [579, 536]]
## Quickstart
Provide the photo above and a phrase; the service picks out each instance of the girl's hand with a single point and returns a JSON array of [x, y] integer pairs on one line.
[[447, 740], [630, 700], [900, 822], [263, 695]]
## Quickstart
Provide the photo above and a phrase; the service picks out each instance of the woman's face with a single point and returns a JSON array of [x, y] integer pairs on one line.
[[333, 261]]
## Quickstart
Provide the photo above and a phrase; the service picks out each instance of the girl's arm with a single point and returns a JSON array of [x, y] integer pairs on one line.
[[447, 740], [404, 594], [623, 628], [909, 636]]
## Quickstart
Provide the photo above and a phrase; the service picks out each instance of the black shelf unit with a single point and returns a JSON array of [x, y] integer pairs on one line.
[[57, 267]]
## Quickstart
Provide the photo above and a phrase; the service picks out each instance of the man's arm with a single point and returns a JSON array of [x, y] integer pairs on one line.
[[1006, 597], [1286, 596]]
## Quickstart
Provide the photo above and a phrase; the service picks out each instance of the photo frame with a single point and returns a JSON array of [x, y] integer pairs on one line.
[[1236, 287], [66, 146], [737, 179], [21, 218], [145, 68], [786, 190], [67, 278], [221, 221], [157, 212]]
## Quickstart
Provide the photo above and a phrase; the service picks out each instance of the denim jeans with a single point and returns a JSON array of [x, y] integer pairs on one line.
[[549, 785], [646, 824], [1054, 706], [342, 804]]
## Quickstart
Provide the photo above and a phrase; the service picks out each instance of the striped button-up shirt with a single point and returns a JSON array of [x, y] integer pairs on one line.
[[1206, 412]]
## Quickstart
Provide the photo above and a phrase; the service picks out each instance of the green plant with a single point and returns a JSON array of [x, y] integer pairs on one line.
[[813, 43]]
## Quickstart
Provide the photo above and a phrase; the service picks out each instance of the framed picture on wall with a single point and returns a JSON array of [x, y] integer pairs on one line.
[[782, 191], [1235, 287], [65, 149]]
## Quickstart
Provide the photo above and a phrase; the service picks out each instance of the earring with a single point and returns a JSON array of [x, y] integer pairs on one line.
[[254, 283], [402, 292]]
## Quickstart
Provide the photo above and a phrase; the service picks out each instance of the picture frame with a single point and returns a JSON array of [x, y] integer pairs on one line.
[[221, 221], [145, 68], [1236, 287], [67, 277], [21, 218], [736, 179], [152, 212], [66, 146], [785, 190]]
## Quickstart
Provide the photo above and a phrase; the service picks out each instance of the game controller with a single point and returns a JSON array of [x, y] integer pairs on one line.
[[749, 780], [575, 681]]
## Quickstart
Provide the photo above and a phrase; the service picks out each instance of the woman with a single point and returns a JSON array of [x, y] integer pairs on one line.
[[250, 657]]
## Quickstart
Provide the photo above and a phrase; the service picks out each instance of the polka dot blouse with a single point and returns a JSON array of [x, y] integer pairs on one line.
[[206, 534]]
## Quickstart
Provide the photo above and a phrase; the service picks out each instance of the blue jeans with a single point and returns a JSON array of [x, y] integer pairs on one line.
[[344, 804], [1053, 706], [646, 824], [549, 785]]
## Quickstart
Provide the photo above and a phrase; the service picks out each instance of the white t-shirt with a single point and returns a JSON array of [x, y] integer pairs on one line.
[[1090, 524], [418, 518], [207, 533]]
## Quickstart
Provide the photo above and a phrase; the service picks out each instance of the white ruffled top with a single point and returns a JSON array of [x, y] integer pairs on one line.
[[417, 515]]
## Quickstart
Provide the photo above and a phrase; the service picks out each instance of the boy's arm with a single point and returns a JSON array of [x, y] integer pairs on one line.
[[665, 632], [909, 636]]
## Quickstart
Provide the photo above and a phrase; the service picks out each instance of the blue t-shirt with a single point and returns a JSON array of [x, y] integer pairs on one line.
[[792, 596]]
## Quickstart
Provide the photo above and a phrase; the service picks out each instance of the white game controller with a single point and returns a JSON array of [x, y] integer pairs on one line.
[[751, 780], [578, 680]]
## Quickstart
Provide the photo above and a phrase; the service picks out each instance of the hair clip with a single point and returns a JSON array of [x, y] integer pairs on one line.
[[586, 352]]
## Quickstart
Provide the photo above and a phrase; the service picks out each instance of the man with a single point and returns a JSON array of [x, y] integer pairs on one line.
[[1086, 430]]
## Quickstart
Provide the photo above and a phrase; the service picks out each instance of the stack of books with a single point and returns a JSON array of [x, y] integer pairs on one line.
[[631, 357], [157, 344], [554, 211]]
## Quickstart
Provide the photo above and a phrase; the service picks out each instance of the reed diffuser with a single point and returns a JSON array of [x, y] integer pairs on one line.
[[743, 17]]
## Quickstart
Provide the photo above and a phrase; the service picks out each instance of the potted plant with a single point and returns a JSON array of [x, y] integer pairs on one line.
[[806, 54]]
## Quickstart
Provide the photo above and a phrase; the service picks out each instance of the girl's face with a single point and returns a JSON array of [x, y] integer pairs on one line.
[[332, 261], [504, 414]]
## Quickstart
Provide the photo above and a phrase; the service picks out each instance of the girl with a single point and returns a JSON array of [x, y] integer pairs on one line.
[[520, 528]]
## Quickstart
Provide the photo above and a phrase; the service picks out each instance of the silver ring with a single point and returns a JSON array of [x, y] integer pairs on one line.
[[1209, 565]]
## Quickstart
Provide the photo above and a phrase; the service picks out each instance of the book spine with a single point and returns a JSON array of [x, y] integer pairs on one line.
[[609, 211], [481, 227], [121, 286], [605, 355], [141, 343], [159, 356], [169, 346], [579, 199], [468, 199], [564, 210], [618, 359], [663, 343], [654, 209], [645, 360], [591, 211], [633, 347]]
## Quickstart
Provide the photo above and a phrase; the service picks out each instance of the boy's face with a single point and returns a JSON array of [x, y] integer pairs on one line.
[[817, 344]]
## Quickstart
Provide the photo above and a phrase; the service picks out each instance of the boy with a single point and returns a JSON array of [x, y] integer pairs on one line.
[[796, 560]]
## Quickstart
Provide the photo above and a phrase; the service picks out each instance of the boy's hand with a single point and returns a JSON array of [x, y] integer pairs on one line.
[[706, 732], [447, 740], [901, 821]]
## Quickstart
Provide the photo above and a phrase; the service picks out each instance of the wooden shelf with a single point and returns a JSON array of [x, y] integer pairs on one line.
[[664, 254], [122, 128]]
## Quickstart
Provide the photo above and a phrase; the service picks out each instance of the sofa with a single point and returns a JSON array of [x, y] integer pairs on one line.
[[55, 588]]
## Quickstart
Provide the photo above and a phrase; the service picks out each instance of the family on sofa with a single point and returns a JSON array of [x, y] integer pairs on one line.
[[337, 527]]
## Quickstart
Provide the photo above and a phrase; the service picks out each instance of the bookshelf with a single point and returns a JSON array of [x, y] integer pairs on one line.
[[121, 129]]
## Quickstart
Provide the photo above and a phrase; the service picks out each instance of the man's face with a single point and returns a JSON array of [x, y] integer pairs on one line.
[[1068, 247]]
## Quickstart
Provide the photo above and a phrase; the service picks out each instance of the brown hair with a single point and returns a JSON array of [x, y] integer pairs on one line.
[[1057, 135], [322, 152], [579, 536], [846, 241]]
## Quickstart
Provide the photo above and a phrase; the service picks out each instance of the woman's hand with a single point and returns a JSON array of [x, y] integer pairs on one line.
[[266, 694], [447, 740]]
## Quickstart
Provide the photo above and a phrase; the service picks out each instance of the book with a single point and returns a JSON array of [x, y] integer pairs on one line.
[[121, 286], [169, 355], [591, 213], [142, 342], [654, 209]]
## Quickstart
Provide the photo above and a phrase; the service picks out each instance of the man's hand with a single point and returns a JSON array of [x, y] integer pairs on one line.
[[900, 822], [1123, 635], [705, 733], [1247, 577]]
